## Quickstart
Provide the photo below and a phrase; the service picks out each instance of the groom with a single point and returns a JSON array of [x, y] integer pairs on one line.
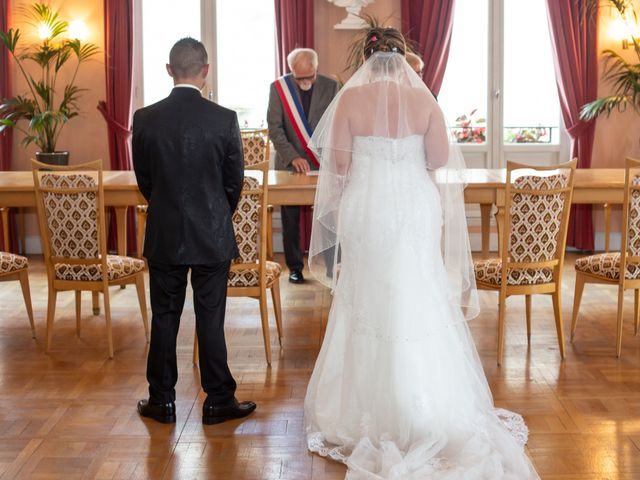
[[188, 159], [297, 101]]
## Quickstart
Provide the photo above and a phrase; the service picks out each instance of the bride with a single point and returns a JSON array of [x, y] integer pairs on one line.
[[398, 390]]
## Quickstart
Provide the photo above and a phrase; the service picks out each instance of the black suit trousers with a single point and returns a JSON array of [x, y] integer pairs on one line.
[[168, 285]]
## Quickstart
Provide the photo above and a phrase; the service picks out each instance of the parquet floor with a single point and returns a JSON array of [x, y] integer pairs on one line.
[[71, 414]]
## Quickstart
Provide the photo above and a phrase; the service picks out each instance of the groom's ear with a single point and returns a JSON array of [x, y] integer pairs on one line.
[[169, 71]]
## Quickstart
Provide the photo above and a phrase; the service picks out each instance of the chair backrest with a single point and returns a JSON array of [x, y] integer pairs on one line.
[[631, 219], [250, 218], [255, 144], [537, 204], [70, 205]]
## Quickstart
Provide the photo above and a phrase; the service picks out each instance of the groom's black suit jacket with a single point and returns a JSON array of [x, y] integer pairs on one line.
[[188, 160]]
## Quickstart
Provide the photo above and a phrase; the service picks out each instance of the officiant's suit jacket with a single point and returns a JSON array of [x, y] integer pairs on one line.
[[188, 159], [281, 132]]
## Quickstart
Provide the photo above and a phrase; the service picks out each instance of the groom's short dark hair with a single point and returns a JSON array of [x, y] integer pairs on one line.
[[187, 57]]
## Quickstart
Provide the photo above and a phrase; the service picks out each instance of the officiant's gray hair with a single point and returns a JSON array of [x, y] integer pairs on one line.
[[299, 53]]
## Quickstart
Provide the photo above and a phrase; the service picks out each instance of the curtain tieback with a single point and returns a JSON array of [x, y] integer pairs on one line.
[[575, 131], [111, 122]]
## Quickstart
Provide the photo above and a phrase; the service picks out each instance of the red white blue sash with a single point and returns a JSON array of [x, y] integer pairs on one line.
[[293, 109]]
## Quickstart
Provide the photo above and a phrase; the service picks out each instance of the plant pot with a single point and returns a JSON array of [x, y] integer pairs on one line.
[[53, 158]]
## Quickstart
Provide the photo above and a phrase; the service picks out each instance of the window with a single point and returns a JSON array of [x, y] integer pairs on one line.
[[531, 105], [163, 23], [463, 95], [240, 41], [246, 57], [499, 89]]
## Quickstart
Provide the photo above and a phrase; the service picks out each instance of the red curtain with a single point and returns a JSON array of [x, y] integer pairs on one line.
[[574, 35], [118, 40], [6, 137], [429, 24], [294, 29]]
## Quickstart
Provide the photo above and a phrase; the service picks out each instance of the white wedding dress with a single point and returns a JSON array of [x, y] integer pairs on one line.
[[398, 391]]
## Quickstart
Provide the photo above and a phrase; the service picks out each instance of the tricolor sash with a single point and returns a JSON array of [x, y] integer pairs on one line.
[[293, 109]]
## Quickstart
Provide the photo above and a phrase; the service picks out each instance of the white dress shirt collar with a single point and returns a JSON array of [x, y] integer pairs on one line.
[[185, 85]]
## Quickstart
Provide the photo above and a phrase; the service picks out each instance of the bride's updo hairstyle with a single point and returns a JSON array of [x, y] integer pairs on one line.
[[383, 39], [375, 38]]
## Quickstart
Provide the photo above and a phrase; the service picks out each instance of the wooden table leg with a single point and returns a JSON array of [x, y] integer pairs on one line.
[[500, 222], [607, 225], [485, 226], [22, 235], [5, 227], [121, 225]]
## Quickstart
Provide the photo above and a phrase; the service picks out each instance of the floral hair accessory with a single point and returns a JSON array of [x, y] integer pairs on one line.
[[374, 38]]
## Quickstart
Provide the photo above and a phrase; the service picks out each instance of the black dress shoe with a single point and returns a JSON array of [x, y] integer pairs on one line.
[[212, 414], [163, 413], [295, 276]]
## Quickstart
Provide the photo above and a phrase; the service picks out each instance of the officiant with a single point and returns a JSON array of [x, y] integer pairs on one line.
[[297, 101]]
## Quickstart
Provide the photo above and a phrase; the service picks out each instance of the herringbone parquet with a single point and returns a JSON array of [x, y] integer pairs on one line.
[[71, 414]]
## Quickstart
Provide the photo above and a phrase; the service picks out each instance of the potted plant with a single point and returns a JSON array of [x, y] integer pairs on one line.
[[623, 75], [46, 107]]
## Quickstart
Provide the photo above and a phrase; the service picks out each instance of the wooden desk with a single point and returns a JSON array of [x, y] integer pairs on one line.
[[484, 187]]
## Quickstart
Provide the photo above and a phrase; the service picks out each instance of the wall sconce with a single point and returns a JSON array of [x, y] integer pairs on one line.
[[621, 31], [44, 31], [78, 30]]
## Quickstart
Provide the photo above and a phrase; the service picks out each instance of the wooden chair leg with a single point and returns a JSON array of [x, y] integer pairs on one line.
[[528, 313], [95, 301], [107, 317], [264, 317], [501, 324], [78, 312], [196, 349], [275, 295], [51, 311], [577, 298], [557, 313], [636, 312], [26, 294], [619, 323], [142, 300]]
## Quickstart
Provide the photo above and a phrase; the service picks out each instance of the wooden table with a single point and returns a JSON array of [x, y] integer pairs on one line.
[[484, 187]]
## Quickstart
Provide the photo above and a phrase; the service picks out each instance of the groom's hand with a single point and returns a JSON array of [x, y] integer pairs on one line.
[[300, 165]]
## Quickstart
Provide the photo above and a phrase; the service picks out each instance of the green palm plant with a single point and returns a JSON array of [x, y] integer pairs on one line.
[[624, 76], [45, 107]]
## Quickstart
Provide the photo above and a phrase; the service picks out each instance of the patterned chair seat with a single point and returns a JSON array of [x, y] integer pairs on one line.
[[490, 271], [251, 277], [606, 265], [10, 262], [118, 267]]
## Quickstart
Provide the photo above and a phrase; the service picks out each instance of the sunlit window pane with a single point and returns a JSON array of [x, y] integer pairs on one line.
[[163, 23], [463, 95], [246, 57], [531, 107]]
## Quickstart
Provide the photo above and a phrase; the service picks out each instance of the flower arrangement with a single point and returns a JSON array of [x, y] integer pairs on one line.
[[527, 135], [469, 130]]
